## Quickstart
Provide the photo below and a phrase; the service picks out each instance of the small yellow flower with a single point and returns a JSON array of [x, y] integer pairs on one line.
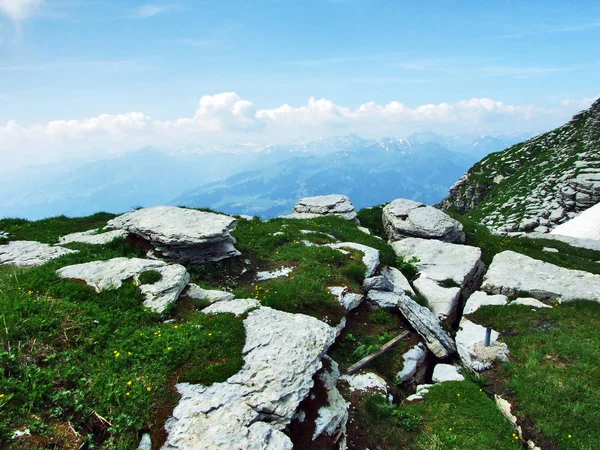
[[176, 326], [141, 334], [458, 395], [168, 349], [1, 395], [117, 355], [29, 292], [129, 353], [127, 394], [129, 383], [450, 429], [569, 436], [210, 334], [148, 388]]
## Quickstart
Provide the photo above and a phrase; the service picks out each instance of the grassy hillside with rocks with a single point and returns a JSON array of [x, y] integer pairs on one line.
[[537, 184], [117, 340]]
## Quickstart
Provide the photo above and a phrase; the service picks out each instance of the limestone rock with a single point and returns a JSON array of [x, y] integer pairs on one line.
[[110, 274], [406, 218], [282, 353], [590, 244], [180, 234], [326, 205], [528, 301], [470, 344], [30, 253], [333, 417], [446, 372], [422, 389], [93, 237], [412, 371], [480, 298], [145, 442], [400, 282], [347, 299], [426, 324], [211, 295], [439, 263], [511, 273], [379, 283], [365, 382], [370, 255], [237, 306], [384, 299]]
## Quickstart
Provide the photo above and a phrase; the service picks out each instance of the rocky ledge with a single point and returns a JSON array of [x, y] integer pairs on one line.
[[180, 234]]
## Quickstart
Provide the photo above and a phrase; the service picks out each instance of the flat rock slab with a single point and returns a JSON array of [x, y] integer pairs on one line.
[[282, 353], [590, 244], [282, 272], [370, 255], [210, 295], [30, 253], [326, 205], [511, 273], [92, 237], [446, 372], [238, 306], [400, 282], [180, 234], [439, 263], [110, 274], [404, 218], [480, 298]]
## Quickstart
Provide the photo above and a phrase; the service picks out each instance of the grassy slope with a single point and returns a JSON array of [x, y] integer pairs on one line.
[[554, 373]]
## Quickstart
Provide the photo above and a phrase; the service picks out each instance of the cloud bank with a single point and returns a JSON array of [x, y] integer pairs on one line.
[[227, 118], [19, 10]]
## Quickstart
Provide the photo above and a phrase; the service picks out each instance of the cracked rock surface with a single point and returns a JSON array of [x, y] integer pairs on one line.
[[282, 353], [30, 253]]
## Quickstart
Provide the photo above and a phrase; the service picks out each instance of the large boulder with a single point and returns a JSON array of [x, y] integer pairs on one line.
[[110, 274], [512, 273], [180, 234], [282, 353], [406, 218], [325, 205], [448, 273], [30, 253]]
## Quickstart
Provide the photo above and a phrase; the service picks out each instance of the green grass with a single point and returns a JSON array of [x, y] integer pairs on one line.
[[150, 277], [490, 244], [459, 415], [553, 374], [68, 352], [453, 415], [49, 230], [278, 242], [371, 218]]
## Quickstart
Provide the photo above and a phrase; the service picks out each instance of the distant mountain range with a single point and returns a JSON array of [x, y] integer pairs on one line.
[[251, 179]]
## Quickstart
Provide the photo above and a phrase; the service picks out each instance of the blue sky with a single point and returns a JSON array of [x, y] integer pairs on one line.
[[76, 76]]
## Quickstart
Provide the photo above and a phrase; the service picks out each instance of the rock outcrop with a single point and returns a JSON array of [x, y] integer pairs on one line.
[[30, 253], [480, 298], [110, 274], [538, 184], [210, 295], [179, 234], [324, 205], [471, 349], [448, 273], [282, 353], [370, 255], [512, 273], [406, 218]]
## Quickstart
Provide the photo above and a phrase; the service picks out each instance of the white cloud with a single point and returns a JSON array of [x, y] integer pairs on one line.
[[150, 10], [20, 10], [227, 118]]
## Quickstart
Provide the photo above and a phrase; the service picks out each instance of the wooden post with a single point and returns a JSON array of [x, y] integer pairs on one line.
[[372, 356]]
